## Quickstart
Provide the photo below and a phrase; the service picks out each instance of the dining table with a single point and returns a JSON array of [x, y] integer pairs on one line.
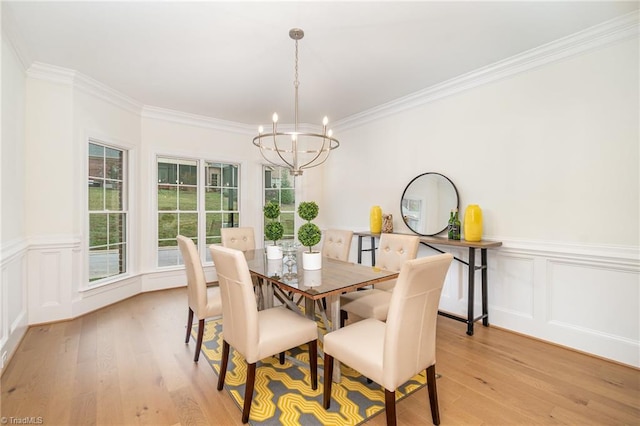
[[288, 281]]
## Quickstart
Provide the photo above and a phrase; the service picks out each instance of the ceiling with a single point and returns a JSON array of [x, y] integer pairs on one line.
[[234, 61]]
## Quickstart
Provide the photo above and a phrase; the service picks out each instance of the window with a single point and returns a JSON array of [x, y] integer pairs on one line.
[[193, 205], [279, 186], [108, 216]]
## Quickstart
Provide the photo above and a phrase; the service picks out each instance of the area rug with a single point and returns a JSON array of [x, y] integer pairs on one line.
[[283, 394]]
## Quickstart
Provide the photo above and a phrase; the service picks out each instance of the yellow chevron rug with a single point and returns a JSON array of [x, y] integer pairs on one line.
[[283, 394]]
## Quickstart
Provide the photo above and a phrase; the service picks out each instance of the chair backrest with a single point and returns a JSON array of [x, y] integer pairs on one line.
[[242, 239], [196, 281], [393, 251], [239, 308], [410, 336], [337, 243]]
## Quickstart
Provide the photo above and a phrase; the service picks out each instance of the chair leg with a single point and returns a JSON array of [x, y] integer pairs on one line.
[[199, 341], [313, 363], [390, 406], [433, 394], [281, 358], [248, 391], [223, 364], [328, 378], [189, 323]]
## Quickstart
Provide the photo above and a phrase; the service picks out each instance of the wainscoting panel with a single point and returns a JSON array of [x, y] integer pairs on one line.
[[13, 296], [583, 298], [511, 284], [50, 276], [594, 298]]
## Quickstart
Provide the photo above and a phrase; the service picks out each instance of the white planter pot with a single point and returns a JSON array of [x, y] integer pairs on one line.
[[274, 252], [311, 260]]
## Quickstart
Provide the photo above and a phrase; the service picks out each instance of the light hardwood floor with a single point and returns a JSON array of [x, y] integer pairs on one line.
[[127, 364]]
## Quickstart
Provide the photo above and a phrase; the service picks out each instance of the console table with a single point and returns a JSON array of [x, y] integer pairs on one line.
[[430, 242]]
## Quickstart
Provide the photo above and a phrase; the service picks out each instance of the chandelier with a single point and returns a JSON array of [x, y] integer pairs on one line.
[[295, 150]]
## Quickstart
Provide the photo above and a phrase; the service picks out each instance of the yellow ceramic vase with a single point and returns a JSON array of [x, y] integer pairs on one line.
[[375, 220], [472, 226]]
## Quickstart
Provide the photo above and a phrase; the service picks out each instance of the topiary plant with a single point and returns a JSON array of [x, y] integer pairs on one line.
[[274, 229], [308, 234]]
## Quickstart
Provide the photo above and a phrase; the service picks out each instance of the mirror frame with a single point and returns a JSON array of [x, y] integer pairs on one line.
[[457, 206]]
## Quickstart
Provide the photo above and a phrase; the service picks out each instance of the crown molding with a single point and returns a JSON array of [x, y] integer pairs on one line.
[[83, 83], [611, 31], [189, 119]]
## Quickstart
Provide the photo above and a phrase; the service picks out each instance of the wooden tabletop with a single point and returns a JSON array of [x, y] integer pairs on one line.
[[335, 277], [482, 244]]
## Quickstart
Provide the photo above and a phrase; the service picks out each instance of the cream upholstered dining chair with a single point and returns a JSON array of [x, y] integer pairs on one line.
[[393, 352], [393, 251], [204, 301], [337, 243], [242, 238], [256, 334]]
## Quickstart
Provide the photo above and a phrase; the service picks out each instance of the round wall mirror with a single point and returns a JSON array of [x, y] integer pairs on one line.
[[427, 202]]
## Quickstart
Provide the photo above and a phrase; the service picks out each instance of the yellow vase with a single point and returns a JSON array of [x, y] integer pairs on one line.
[[375, 220], [472, 226]]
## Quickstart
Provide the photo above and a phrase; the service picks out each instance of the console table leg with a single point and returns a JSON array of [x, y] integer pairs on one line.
[[472, 291], [485, 304]]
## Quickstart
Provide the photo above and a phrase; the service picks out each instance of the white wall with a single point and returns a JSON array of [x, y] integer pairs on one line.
[[13, 300], [551, 156]]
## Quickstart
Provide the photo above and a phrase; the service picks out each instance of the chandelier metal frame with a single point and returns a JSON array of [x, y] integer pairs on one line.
[[285, 144]]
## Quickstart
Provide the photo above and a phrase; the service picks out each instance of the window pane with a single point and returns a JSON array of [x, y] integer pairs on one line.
[[113, 163], [271, 195], [116, 228], [188, 225], [113, 195], [288, 199], [96, 195], [229, 199], [212, 199], [96, 160], [213, 173], [169, 254], [167, 173], [188, 198], [231, 220], [167, 197], [287, 220], [229, 175], [214, 223], [167, 225], [188, 174], [97, 229]]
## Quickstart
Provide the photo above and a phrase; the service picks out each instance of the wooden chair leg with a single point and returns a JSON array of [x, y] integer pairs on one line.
[[189, 323], [313, 363], [248, 391], [343, 318], [433, 394], [199, 341], [223, 364], [328, 378], [390, 406]]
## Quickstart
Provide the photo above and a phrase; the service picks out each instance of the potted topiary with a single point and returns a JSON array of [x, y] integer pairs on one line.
[[273, 230], [309, 235]]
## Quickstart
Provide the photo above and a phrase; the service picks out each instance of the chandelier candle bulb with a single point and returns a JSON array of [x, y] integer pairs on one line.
[[472, 223]]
